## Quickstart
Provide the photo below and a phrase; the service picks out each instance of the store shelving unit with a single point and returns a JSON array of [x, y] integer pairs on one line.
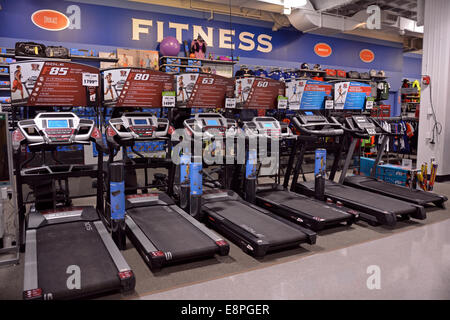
[[227, 66], [71, 58]]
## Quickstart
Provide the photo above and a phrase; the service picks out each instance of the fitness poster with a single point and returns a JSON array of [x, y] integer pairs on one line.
[[258, 93], [135, 87], [39, 83], [196, 90], [351, 95], [307, 94]]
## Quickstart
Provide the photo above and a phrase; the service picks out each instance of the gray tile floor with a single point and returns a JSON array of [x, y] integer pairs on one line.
[[414, 259]]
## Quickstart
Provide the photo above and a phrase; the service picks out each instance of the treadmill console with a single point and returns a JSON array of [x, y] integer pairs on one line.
[[313, 123], [55, 128], [364, 124], [138, 126], [311, 117], [266, 126], [210, 124]]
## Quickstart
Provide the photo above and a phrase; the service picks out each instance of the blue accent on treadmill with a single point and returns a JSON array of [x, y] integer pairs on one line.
[[196, 179], [250, 165], [117, 193], [184, 168], [320, 163]]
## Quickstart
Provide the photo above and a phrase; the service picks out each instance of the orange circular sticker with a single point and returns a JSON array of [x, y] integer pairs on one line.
[[366, 55], [50, 20], [322, 50]]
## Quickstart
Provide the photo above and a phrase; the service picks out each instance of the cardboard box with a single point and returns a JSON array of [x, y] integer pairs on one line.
[[83, 52], [188, 69], [173, 61], [196, 63]]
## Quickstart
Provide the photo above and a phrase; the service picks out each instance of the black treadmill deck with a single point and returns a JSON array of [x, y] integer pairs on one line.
[[402, 193], [318, 214], [74, 244], [255, 230], [171, 233], [384, 208]]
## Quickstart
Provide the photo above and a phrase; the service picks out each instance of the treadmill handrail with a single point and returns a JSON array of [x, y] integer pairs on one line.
[[332, 132]]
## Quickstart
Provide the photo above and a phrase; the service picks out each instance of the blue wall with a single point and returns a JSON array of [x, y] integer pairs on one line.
[[108, 26], [412, 66]]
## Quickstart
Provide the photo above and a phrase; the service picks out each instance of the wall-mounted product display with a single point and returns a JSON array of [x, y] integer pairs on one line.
[[410, 97]]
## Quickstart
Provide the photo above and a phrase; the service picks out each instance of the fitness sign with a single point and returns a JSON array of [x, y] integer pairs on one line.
[[132, 87], [38, 83]]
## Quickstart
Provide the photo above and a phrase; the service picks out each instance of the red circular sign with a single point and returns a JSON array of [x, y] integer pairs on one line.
[[322, 50], [50, 20], [366, 55]]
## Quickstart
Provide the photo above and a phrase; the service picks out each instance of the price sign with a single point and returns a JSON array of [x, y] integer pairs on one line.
[[282, 102], [90, 79], [329, 104], [369, 104], [168, 99], [339, 106], [230, 103]]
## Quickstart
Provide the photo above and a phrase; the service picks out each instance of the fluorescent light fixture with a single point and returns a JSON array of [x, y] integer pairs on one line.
[[287, 3], [295, 3]]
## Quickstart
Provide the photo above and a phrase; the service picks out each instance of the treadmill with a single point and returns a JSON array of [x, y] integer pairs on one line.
[[162, 233], [61, 242], [255, 230], [375, 208], [364, 127], [311, 213]]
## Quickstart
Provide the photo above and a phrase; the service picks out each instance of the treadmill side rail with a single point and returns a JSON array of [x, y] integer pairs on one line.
[[125, 274], [30, 282], [140, 236], [311, 235]]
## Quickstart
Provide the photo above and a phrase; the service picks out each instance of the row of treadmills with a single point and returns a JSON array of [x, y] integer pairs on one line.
[[74, 252]]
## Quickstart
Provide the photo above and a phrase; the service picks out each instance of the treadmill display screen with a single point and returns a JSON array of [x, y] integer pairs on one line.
[[212, 122], [140, 121], [268, 125], [57, 124], [309, 113]]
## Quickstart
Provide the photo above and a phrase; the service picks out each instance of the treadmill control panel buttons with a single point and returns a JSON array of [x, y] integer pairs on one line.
[[56, 128]]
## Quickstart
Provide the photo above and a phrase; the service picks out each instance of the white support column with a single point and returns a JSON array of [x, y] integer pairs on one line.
[[436, 64]]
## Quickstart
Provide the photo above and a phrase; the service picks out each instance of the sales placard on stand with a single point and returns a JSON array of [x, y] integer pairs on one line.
[[307, 94], [135, 87], [258, 93], [196, 90], [351, 95], [50, 83]]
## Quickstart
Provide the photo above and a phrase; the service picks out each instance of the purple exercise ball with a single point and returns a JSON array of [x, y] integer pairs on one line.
[[169, 46]]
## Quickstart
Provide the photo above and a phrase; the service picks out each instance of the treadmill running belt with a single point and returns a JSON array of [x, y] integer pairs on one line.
[[256, 222], [74, 244], [304, 205], [365, 198], [398, 190], [170, 232]]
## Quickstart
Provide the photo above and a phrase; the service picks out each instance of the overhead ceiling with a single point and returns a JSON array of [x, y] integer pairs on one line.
[[265, 11], [402, 8]]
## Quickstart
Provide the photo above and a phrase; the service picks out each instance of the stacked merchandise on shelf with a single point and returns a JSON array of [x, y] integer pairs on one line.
[[410, 95]]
